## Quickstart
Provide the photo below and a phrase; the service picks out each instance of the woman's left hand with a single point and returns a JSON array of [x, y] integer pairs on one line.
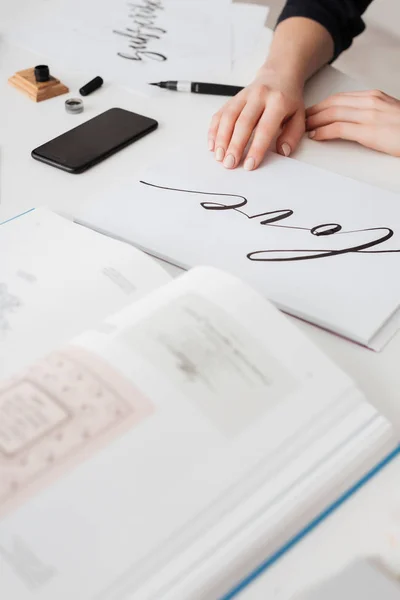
[[370, 118]]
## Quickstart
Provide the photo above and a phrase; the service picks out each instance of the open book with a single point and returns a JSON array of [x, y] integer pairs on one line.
[[167, 452]]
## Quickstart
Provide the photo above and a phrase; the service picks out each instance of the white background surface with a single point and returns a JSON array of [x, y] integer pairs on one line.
[[370, 522]]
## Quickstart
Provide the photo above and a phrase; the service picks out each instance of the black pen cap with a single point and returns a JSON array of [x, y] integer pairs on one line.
[[92, 86]]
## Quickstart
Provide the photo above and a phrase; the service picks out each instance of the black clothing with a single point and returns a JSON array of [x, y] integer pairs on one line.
[[342, 18]]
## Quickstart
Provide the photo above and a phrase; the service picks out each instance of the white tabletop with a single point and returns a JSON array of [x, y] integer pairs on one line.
[[370, 521]]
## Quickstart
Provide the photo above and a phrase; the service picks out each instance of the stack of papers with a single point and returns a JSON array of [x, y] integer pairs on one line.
[[133, 44]]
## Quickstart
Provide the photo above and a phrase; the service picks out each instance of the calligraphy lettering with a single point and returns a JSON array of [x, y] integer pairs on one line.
[[379, 234], [143, 31]]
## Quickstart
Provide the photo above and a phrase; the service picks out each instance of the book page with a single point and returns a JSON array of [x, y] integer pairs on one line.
[[212, 361], [136, 443], [59, 411], [59, 279]]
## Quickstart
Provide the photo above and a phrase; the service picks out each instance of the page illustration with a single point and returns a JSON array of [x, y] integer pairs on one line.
[[228, 375], [9, 303], [62, 408]]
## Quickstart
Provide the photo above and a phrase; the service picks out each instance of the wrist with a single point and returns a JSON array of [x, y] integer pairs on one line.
[[281, 75]]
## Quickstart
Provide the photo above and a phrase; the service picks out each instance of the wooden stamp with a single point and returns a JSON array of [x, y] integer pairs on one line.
[[25, 82]]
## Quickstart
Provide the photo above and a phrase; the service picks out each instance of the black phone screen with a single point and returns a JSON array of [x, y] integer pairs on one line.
[[96, 139]]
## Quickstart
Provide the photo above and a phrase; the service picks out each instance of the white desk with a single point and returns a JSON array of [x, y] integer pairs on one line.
[[361, 526]]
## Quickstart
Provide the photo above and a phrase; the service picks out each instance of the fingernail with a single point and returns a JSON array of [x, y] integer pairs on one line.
[[249, 164], [219, 154], [211, 144], [229, 161], [311, 134], [286, 149]]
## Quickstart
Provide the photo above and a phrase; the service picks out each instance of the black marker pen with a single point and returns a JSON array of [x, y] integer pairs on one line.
[[215, 89]]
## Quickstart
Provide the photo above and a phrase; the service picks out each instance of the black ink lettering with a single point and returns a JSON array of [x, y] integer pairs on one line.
[[383, 234], [140, 54], [207, 205], [217, 206], [279, 216], [326, 229], [143, 17], [323, 253]]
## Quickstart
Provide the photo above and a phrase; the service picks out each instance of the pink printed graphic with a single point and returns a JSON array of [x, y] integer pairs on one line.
[[61, 409], [26, 413]]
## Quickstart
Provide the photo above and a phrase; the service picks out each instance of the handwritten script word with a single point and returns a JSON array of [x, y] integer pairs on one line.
[[271, 218], [143, 30]]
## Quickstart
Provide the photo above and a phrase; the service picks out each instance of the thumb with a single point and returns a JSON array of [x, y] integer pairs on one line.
[[292, 133]]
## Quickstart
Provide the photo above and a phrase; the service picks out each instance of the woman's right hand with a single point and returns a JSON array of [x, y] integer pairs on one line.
[[271, 104]]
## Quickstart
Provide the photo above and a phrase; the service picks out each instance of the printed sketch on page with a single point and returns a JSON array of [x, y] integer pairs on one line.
[[9, 303], [213, 361]]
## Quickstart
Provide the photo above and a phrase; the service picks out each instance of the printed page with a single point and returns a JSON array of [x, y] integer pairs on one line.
[[122, 454], [307, 239], [58, 279]]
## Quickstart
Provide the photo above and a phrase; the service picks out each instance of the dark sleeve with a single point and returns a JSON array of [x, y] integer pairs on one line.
[[342, 18]]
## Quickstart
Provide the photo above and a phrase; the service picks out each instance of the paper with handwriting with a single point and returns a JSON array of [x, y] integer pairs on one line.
[[134, 43], [322, 247]]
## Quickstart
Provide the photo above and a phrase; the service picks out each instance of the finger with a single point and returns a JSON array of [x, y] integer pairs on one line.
[[227, 123], [364, 102], [213, 129], [376, 93], [342, 114], [266, 129], [242, 132], [291, 135], [363, 134], [377, 138]]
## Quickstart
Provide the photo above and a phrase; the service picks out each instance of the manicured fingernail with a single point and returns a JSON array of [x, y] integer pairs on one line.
[[286, 149], [219, 154], [229, 161], [249, 164], [311, 134], [211, 144]]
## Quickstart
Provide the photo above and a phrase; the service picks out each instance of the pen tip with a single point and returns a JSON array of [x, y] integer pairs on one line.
[[157, 84]]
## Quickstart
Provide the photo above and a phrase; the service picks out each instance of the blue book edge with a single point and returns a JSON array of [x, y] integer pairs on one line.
[[17, 216], [268, 562]]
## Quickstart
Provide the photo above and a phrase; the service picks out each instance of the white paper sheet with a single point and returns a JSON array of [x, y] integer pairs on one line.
[[248, 23], [322, 247], [134, 43]]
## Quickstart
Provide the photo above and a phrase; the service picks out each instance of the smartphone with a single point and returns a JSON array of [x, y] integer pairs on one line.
[[88, 144]]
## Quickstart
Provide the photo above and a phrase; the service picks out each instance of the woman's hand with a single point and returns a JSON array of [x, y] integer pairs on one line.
[[270, 103], [369, 118]]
